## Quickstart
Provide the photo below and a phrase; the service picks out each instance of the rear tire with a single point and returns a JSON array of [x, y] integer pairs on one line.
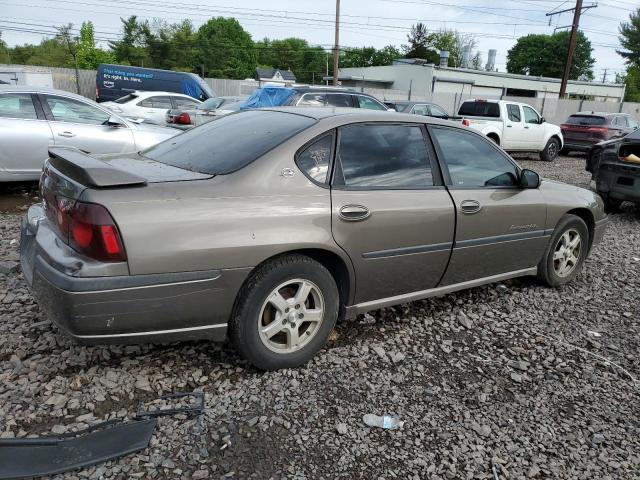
[[284, 312], [566, 252], [551, 149], [611, 205]]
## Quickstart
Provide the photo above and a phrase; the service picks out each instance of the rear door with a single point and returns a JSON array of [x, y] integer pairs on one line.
[[500, 226], [390, 210], [79, 124], [25, 135], [513, 134]]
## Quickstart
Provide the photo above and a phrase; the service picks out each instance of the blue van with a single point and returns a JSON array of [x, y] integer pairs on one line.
[[116, 81]]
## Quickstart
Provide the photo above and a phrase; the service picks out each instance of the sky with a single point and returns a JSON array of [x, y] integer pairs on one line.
[[496, 24]]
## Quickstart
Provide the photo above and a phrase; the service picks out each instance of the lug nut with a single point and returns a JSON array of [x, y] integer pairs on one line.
[[301, 315], [297, 306]]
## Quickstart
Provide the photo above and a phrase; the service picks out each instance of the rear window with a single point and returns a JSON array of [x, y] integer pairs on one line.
[[585, 120], [126, 98], [479, 109], [230, 142]]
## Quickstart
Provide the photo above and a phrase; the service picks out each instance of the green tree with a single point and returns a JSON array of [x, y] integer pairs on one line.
[[89, 55], [305, 61], [421, 44], [130, 49], [5, 57], [630, 39], [632, 81], [544, 55], [455, 43], [225, 49]]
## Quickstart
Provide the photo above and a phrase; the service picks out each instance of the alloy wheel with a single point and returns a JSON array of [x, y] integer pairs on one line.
[[567, 253], [291, 316]]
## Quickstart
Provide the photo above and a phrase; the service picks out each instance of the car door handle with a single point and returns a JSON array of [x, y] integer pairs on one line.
[[470, 206], [66, 134], [354, 213], [509, 126], [526, 126]]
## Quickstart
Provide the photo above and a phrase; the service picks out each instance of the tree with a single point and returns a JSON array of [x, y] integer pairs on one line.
[[5, 57], [305, 61], [632, 81], [225, 49], [421, 44], [90, 56], [455, 43], [69, 41], [630, 39], [369, 56], [130, 49], [545, 55]]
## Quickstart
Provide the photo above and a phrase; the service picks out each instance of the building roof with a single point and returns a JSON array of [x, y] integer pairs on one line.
[[272, 72]]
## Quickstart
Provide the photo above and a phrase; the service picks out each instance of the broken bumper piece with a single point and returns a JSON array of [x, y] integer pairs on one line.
[[33, 457]]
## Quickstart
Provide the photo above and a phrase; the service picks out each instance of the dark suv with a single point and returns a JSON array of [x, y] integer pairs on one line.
[[582, 130], [333, 97]]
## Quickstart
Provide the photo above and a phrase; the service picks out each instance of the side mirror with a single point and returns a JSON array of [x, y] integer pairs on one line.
[[529, 179], [115, 122], [542, 120]]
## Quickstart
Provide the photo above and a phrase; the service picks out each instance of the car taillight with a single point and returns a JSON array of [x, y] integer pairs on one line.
[[183, 119], [466, 122], [87, 228]]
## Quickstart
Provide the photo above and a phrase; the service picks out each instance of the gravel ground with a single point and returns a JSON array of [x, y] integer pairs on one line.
[[537, 382]]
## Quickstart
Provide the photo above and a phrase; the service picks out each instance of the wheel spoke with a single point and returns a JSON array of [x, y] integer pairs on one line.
[[313, 315], [566, 239], [575, 242], [558, 255], [303, 292], [293, 337], [272, 329], [278, 302]]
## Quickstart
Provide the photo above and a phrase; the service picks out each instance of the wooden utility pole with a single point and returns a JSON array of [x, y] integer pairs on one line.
[[577, 11], [336, 47]]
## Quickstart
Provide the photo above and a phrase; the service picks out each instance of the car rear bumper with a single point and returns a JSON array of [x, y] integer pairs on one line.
[[618, 181], [124, 308], [582, 146]]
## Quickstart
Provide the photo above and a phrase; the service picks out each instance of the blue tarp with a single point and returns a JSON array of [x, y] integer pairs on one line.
[[268, 97]]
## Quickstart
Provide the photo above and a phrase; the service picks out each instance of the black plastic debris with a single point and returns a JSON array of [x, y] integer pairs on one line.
[[190, 410], [48, 455]]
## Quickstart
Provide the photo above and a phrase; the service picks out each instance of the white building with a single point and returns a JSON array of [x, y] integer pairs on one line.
[[424, 80]]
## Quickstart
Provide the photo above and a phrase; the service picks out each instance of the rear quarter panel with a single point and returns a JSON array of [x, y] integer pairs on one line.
[[230, 221]]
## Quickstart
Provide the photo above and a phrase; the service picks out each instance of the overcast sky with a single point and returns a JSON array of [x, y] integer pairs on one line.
[[495, 23]]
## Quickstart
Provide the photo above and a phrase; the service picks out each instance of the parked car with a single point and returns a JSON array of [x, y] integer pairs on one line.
[[582, 130], [419, 108], [266, 225], [615, 168], [151, 106], [333, 97], [516, 127], [203, 113], [116, 81], [33, 119]]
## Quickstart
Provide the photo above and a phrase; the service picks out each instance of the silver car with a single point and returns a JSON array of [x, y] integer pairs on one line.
[[32, 119]]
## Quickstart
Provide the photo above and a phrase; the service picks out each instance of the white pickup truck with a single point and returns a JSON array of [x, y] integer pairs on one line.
[[516, 127]]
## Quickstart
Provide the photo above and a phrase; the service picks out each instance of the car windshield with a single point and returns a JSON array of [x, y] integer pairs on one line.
[[585, 120], [230, 142], [211, 104], [126, 98]]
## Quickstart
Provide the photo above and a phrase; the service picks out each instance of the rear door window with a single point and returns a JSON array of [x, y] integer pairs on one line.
[[420, 110], [163, 102], [436, 111], [185, 103], [383, 156], [514, 112], [17, 105], [339, 100], [479, 109], [312, 100], [621, 121], [230, 142]]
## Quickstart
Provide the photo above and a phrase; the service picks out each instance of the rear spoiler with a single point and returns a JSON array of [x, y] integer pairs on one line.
[[89, 170]]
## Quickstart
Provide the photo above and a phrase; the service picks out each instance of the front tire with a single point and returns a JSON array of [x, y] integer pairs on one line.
[[284, 313], [551, 149], [566, 252]]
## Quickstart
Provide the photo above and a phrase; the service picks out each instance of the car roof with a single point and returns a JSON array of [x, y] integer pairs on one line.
[[150, 93], [598, 114], [358, 115], [310, 88], [29, 89]]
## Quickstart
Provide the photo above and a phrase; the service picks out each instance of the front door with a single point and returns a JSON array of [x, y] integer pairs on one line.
[[500, 226], [78, 124], [390, 211], [25, 136]]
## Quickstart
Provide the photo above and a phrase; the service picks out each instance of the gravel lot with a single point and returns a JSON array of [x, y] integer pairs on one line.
[[509, 375]]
